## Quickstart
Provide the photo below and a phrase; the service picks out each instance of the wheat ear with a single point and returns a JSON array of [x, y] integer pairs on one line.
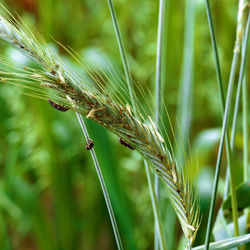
[[99, 107]]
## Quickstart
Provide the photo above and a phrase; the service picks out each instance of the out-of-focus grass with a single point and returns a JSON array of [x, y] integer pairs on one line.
[[49, 194]]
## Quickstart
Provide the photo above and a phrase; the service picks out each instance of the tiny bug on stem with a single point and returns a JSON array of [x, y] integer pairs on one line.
[[58, 106], [125, 143], [90, 144]]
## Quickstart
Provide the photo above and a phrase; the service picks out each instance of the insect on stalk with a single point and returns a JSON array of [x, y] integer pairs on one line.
[[89, 145], [125, 144], [58, 106]]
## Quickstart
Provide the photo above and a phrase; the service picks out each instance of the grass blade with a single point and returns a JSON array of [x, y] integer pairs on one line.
[[227, 244]]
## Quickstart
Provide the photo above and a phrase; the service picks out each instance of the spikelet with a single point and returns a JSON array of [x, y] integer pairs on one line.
[[99, 107]]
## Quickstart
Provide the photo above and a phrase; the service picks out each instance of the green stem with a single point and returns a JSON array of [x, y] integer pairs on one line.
[[186, 84], [219, 157], [240, 83], [103, 185], [131, 92], [158, 95], [245, 131], [245, 117], [155, 208], [123, 54], [237, 101], [245, 103], [222, 97]]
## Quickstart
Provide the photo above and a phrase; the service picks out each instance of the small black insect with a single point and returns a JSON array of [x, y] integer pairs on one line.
[[125, 143], [90, 144], [53, 72], [58, 106]]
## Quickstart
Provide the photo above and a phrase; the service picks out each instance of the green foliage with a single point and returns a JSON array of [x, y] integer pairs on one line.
[[242, 191], [49, 194]]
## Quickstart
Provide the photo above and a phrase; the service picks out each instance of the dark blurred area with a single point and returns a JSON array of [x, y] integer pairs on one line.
[[50, 198]]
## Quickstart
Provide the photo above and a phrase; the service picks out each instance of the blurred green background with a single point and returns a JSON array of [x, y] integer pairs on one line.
[[50, 197]]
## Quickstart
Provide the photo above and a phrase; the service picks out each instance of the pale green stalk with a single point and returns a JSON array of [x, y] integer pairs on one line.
[[222, 97], [123, 54], [236, 108], [245, 122], [184, 111], [237, 101], [227, 244], [154, 193], [241, 22], [218, 163], [158, 96], [245, 130], [155, 209]]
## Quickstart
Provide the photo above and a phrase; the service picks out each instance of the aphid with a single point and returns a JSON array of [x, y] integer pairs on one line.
[[90, 144], [53, 72], [125, 143], [58, 106]]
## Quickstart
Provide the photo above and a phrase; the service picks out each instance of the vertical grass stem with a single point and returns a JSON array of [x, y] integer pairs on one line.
[[219, 157], [222, 97], [123, 54], [158, 95], [158, 229], [184, 111]]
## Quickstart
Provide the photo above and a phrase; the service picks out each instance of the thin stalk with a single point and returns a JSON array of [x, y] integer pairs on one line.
[[245, 130], [241, 21], [103, 185], [186, 83], [239, 89], [159, 230], [158, 98], [236, 108], [222, 97], [123, 54], [219, 157], [245, 119], [155, 208], [244, 102]]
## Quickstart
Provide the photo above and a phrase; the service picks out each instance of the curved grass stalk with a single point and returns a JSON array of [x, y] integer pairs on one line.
[[96, 105], [241, 23]]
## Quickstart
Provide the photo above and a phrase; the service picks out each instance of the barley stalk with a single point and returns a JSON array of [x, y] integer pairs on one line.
[[76, 92]]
